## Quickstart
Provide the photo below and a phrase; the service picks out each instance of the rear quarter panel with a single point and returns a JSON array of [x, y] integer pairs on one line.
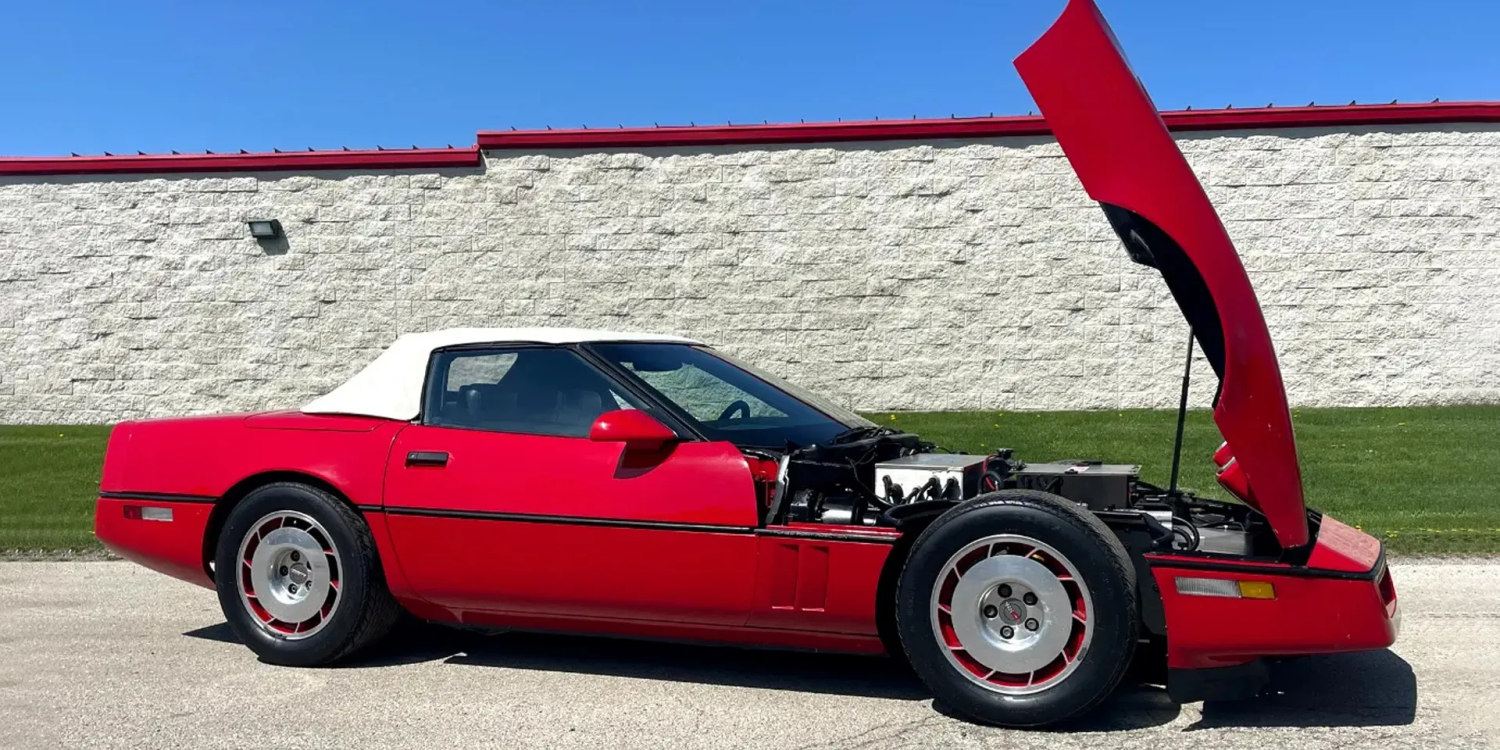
[[188, 464], [207, 456]]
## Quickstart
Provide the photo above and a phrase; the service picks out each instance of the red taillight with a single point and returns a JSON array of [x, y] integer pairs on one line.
[[133, 512]]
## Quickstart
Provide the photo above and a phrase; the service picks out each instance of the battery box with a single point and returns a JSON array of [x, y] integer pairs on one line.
[[1098, 486]]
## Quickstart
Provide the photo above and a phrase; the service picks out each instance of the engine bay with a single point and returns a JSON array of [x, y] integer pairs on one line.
[[889, 479]]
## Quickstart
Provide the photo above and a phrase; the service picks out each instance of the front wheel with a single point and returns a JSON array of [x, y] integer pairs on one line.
[[1018, 609], [298, 577]]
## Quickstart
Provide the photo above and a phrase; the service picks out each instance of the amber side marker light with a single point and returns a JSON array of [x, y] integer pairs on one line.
[[147, 513], [1226, 588]]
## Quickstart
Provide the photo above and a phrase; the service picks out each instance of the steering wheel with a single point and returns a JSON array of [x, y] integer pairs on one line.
[[738, 406]]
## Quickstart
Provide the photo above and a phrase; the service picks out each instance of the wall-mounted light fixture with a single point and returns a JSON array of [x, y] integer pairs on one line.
[[264, 229]]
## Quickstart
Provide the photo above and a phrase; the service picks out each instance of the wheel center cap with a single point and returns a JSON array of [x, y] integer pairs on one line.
[[291, 590], [1023, 650], [1012, 610]]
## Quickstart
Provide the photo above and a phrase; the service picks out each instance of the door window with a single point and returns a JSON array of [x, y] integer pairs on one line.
[[538, 391]]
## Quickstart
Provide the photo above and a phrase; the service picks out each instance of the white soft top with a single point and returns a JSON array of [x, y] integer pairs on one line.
[[391, 386]]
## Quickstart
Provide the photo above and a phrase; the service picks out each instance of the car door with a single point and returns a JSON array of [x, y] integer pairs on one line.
[[498, 501]]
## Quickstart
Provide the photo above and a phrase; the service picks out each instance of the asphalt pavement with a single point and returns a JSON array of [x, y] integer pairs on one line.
[[110, 655]]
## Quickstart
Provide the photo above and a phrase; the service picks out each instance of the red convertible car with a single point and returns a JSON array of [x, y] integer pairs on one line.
[[649, 486]]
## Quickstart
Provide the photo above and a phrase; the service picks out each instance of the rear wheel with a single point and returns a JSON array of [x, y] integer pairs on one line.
[[298, 577], [1018, 608]]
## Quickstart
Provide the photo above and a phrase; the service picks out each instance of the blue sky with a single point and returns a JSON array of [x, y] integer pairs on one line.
[[96, 75]]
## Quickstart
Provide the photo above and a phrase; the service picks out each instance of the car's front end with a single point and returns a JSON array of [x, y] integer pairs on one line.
[[1214, 584], [1225, 613]]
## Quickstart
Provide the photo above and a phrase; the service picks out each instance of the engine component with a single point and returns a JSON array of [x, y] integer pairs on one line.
[[1098, 486], [1185, 535], [837, 510], [1226, 541], [842, 508], [929, 476]]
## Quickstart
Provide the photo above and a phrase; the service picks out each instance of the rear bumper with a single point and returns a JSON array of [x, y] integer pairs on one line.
[[174, 547], [1342, 600]]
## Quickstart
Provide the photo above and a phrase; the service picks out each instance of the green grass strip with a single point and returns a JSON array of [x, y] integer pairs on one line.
[[1422, 479]]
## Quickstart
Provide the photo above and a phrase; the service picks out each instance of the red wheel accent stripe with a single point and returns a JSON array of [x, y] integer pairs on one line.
[[971, 664], [1009, 680], [950, 636], [1052, 670]]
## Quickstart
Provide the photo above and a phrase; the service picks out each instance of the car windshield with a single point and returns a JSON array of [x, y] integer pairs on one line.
[[731, 401]]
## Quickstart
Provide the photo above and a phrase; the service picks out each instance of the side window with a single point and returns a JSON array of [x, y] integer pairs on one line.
[[538, 391]]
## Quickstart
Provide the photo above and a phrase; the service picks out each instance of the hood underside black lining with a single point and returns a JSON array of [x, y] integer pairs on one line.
[[1148, 245]]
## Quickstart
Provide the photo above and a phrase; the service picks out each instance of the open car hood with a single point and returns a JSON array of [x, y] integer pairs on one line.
[[1127, 161]]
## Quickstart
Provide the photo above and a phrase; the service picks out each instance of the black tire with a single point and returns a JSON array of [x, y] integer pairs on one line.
[[366, 610], [1079, 536]]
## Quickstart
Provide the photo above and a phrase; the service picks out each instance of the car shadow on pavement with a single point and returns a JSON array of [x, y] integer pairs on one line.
[[1367, 689], [1135, 705], [221, 633], [678, 662]]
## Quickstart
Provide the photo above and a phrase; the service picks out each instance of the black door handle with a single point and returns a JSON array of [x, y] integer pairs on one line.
[[427, 458]]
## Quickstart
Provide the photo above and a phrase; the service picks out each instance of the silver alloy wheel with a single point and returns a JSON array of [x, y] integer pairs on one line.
[[1012, 614], [290, 574]]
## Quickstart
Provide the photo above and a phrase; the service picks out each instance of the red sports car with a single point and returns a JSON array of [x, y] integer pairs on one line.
[[649, 486]]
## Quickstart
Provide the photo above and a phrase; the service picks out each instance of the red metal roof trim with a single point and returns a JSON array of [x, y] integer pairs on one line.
[[708, 135], [983, 127], [287, 161]]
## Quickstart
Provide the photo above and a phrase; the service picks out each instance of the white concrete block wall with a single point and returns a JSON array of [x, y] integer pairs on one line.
[[901, 275]]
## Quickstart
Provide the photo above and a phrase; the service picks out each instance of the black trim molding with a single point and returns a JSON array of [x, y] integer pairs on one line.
[[830, 536], [159, 497], [619, 523], [569, 520]]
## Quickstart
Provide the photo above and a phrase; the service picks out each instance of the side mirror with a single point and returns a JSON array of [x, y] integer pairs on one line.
[[633, 427]]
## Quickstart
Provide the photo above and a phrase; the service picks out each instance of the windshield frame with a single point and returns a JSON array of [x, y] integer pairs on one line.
[[834, 413]]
